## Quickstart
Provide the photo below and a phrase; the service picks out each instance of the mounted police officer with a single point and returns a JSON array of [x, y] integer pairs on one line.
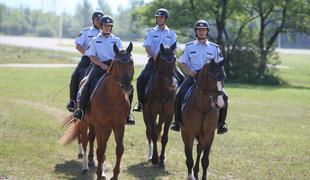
[[160, 34], [82, 42], [101, 54], [195, 55]]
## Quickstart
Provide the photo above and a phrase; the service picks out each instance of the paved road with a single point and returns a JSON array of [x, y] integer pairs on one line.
[[55, 44]]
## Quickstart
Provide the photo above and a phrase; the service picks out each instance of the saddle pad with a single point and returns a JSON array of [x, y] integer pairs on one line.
[[186, 94]]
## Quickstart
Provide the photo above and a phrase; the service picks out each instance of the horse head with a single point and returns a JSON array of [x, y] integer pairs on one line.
[[165, 62], [122, 68], [211, 76]]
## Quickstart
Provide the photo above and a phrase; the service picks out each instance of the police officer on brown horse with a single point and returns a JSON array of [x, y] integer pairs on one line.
[[196, 54], [160, 34], [82, 42]]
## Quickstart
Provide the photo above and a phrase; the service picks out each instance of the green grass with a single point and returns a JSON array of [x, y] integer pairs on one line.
[[268, 131], [14, 54]]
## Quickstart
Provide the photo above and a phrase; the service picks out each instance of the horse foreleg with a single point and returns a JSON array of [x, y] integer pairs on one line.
[[196, 167], [102, 137], [164, 138], [148, 136], [119, 135], [84, 139], [205, 161], [154, 137], [91, 138]]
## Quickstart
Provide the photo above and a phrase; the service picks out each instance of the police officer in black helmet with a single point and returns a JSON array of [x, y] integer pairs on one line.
[[160, 34], [82, 42], [196, 54]]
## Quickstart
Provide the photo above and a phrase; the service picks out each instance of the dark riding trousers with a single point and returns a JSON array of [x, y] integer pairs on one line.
[[78, 73], [95, 73]]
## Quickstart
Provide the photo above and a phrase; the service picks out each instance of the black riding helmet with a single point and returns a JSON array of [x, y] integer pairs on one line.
[[97, 13], [162, 12], [201, 24], [108, 20]]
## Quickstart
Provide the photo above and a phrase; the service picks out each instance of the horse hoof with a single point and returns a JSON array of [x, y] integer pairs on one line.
[[101, 178], [91, 164], [161, 165], [154, 161], [85, 171], [80, 156]]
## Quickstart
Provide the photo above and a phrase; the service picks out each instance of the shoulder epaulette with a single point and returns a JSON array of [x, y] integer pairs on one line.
[[189, 43], [214, 44], [87, 28], [149, 29]]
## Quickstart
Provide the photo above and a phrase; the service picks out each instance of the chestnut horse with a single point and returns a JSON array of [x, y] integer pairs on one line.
[[108, 110], [200, 116], [160, 101]]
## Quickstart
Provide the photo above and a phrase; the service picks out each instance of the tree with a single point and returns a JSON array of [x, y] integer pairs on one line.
[[83, 13]]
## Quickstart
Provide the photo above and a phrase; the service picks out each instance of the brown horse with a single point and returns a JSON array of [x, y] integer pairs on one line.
[[160, 101], [200, 116], [108, 110]]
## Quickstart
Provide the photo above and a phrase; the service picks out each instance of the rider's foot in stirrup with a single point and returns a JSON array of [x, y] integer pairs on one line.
[[175, 126], [222, 128], [138, 107], [71, 106], [130, 120], [78, 114]]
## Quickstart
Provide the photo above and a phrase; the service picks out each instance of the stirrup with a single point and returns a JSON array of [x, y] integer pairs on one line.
[[222, 128], [138, 107], [78, 114]]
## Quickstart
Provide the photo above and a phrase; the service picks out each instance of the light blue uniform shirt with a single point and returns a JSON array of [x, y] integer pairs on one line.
[[86, 35], [195, 54], [155, 36], [102, 47]]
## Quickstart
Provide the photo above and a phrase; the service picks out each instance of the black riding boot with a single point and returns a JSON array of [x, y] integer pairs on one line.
[[130, 120], [222, 126], [177, 113], [140, 93], [77, 75]]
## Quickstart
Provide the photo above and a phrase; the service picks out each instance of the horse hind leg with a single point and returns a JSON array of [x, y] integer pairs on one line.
[[119, 135], [84, 140], [80, 148], [154, 137], [205, 161], [148, 136], [91, 138]]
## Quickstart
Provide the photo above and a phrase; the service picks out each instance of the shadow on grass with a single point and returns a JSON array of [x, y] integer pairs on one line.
[[73, 170], [146, 170]]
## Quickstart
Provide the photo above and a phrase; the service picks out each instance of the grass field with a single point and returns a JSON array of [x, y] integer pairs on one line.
[[268, 135]]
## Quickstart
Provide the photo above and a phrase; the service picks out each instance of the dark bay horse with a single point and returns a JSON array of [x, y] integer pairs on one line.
[[200, 116], [108, 110], [160, 101]]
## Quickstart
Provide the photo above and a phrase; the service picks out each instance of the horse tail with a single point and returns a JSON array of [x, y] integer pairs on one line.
[[72, 131]]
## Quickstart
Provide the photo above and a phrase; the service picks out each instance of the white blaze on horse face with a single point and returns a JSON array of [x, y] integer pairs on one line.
[[220, 101]]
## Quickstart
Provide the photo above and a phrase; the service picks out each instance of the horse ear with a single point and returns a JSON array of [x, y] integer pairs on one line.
[[162, 48], [115, 48], [111, 66], [129, 48], [174, 45]]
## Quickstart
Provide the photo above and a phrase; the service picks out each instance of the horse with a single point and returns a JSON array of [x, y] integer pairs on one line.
[[200, 116], [108, 110], [160, 101]]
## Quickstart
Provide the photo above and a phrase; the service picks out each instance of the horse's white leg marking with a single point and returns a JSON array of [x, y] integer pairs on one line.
[[85, 161], [103, 173], [150, 153], [80, 148]]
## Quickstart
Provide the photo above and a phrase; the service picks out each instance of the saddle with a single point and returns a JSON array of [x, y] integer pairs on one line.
[[93, 86]]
